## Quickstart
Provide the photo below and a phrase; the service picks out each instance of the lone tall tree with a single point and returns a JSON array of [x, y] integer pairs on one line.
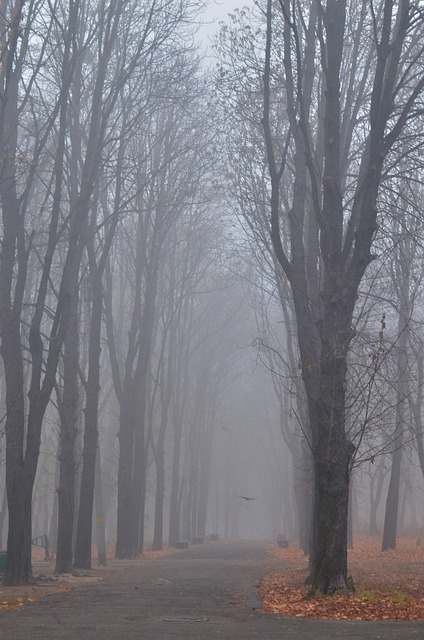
[[346, 216], [333, 91]]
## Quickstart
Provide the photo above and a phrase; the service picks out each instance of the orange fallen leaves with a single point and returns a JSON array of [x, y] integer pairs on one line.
[[14, 603], [389, 585], [150, 555]]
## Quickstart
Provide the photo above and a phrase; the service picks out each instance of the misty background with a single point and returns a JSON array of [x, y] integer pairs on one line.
[[153, 330]]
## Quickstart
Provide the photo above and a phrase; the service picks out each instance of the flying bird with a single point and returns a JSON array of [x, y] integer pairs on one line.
[[246, 498]]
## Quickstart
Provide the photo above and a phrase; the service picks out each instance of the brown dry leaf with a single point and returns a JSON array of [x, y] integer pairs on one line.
[[13, 603], [389, 585]]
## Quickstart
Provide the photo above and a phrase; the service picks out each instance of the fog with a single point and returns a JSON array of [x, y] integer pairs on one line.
[[210, 279]]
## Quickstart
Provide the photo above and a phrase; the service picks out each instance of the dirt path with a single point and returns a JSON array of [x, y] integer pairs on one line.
[[209, 591]]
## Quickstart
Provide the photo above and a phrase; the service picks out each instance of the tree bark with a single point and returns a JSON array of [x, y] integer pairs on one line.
[[174, 516], [100, 514], [376, 489], [85, 514], [68, 433], [402, 285]]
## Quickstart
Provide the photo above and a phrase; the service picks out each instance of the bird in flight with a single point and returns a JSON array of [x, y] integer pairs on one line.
[[246, 498]]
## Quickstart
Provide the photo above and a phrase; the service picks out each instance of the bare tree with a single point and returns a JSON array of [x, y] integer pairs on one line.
[[167, 168], [109, 112], [351, 87], [20, 102]]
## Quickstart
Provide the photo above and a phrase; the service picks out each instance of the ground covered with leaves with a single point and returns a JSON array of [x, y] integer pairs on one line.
[[389, 585]]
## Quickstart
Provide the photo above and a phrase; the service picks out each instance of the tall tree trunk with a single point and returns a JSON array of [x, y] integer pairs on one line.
[[331, 449], [100, 514], [205, 460], [174, 515], [350, 517], [132, 433], [3, 512], [159, 496], [303, 491], [83, 546], [376, 490], [67, 437], [141, 377], [124, 536], [392, 501], [180, 387]]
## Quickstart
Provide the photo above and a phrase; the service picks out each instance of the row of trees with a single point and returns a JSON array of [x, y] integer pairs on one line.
[[119, 310], [108, 245]]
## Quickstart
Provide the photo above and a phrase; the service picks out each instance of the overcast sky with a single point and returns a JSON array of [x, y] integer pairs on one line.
[[217, 11]]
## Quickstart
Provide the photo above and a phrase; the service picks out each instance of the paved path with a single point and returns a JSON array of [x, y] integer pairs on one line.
[[209, 591]]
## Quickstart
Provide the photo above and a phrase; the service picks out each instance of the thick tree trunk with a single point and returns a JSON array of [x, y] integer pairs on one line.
[[18, 564], [332, 450], [20, 468], [19, 491], [329, 559]]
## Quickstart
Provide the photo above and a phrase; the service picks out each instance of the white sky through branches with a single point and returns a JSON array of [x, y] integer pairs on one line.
[[217, 11]]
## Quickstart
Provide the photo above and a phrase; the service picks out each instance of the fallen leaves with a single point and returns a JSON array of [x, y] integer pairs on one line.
[[153, 555], [389, 585], [14, 603]]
